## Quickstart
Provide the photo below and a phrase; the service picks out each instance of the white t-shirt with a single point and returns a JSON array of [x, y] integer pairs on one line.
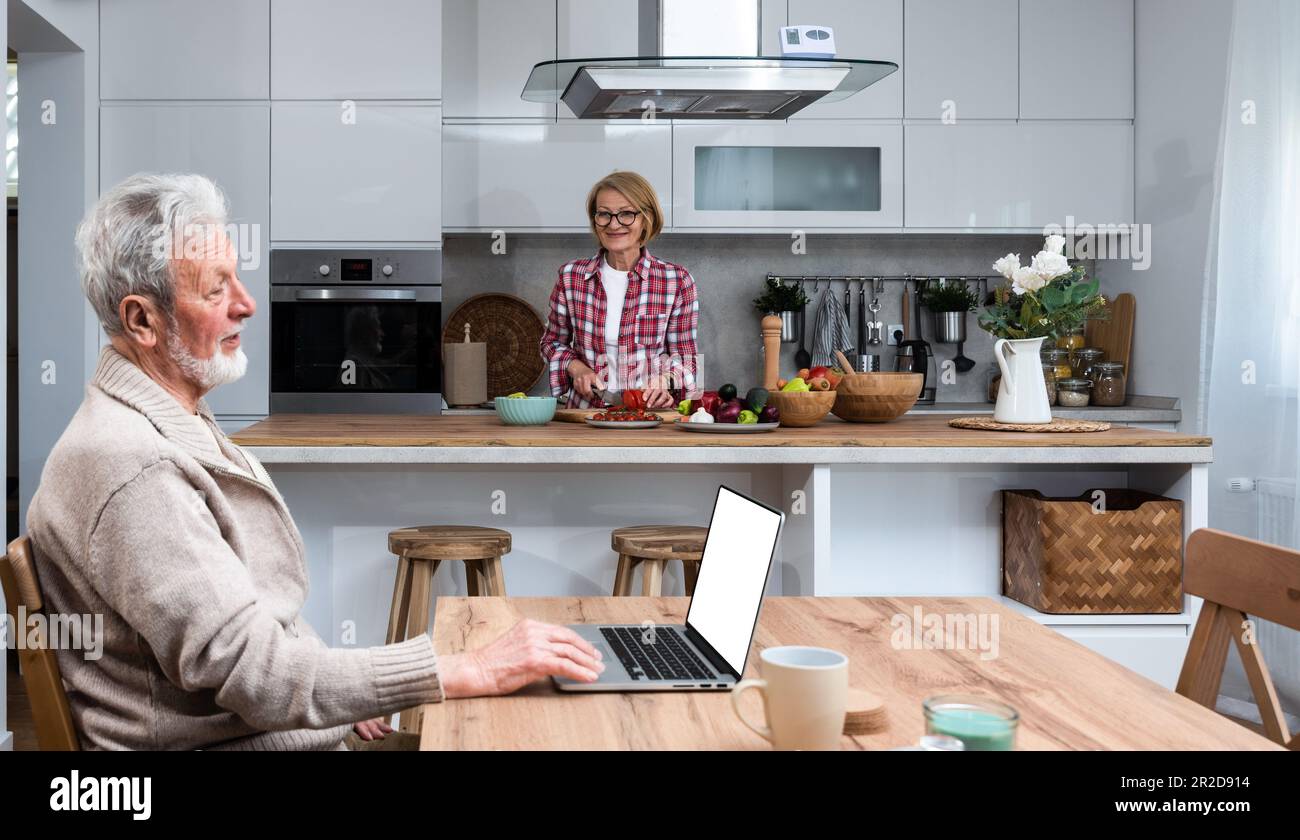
[[615, 283]]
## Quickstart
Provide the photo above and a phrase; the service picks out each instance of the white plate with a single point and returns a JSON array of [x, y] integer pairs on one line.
[[728, 428], [624, 424]]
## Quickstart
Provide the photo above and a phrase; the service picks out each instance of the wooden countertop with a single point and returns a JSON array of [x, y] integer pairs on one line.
[[1068, 696], [367, 430]]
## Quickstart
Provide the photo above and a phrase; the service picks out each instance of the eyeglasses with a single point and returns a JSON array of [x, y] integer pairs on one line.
[[625, 217]]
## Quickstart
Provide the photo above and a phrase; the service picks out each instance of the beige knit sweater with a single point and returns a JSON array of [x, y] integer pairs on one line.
[[181, 541]]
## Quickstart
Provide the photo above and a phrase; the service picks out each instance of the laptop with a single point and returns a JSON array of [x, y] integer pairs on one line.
[[708, 652]]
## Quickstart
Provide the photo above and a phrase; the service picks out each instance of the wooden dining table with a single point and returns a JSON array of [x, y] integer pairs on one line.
[[1068, 697]]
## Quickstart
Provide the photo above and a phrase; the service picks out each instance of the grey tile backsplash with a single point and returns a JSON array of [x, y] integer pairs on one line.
[[729, 271]]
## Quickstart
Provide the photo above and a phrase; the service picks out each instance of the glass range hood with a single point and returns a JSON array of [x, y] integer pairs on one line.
[[699, 87]]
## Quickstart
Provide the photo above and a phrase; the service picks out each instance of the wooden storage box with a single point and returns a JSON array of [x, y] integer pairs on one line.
[[1086, 555]]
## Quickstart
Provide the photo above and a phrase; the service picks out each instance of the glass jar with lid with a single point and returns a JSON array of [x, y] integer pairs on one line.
[[1072, 339], [1049, 377], [1073, 393], [1083, 359], [1058, 360], [1108, 383]]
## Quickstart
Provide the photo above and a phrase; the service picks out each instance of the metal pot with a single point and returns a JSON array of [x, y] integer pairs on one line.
[[950, 327], [790, 326]]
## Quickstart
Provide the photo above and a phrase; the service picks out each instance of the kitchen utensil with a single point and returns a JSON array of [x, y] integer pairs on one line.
[[802, 358], [771, 332], [465, 372], [868, 363], [525, 411], [862, 316], [512, 330], [729, 428], [624, 424], [907, 314], [612, 399], [802, 408], [1115, 336], [961, 361], [875, 327]]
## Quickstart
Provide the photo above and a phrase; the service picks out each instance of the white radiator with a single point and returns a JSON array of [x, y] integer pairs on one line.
[[1280, 645]]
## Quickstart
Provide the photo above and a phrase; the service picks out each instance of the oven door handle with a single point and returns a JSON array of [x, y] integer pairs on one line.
[[354, 294]]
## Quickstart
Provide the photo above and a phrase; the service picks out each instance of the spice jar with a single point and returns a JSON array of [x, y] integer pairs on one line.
[[1049, 377], [1072, 340], [1073, 393], [1083, 359], [1108, 383], [1058, 360]]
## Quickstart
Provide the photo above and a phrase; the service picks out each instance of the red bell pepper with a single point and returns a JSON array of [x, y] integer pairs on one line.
[[634, 398]]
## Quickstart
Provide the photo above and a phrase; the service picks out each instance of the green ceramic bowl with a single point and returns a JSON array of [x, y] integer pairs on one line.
[[525, 411]]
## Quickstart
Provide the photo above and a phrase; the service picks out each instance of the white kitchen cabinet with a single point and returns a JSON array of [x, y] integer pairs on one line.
[[161, 49], [356, 49], [369, 176], [488, 49], [973, 176], [226, 142], [596, 28], [864, 29], [536, 177], [1076, 59], [962, 59], [798, 175]]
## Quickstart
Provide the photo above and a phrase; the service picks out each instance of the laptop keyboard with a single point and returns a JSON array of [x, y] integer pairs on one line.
[[666, 658]]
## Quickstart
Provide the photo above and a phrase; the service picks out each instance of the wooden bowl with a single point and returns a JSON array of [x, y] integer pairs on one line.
[[876, 397], [802, 408]]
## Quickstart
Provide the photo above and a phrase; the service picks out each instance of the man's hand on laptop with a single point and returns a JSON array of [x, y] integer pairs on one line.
[[529, 651]]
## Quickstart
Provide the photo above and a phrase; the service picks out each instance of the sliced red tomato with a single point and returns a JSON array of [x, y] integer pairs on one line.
[[634, 399]]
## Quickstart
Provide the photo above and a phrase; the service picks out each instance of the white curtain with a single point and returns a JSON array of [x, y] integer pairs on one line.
[[1255, 367]]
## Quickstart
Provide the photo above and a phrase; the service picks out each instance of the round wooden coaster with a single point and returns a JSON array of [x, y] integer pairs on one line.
[[988, 424], [866, 712]]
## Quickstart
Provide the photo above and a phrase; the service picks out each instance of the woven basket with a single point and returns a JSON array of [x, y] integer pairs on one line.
[[1067, 557]]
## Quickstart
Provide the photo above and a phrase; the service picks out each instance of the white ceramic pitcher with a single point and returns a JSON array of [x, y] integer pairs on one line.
[[1022, 396]]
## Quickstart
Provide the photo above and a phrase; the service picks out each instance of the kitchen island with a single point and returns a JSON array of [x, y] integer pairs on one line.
[[903, 508]]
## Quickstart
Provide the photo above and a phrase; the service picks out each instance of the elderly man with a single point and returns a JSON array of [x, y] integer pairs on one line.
[[149, 515]]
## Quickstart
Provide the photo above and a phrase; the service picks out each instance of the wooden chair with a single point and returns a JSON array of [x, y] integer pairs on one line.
[[651, 547], [50, 711], [420, 550], [1239, 579]]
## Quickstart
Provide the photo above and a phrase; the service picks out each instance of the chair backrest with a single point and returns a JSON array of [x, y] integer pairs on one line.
[[1239, 579], [50, 711]]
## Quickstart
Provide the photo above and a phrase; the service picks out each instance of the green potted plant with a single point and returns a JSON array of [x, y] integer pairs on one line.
[[949, 300], [1041, 300], [783, 301]]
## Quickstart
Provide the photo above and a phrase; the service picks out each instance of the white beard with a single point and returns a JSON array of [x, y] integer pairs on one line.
[[220, 369]]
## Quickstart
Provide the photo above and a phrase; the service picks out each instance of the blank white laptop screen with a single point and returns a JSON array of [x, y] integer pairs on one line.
[[733, 572]]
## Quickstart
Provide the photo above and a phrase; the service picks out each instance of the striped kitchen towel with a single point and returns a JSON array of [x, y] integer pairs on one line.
[[831, 332]]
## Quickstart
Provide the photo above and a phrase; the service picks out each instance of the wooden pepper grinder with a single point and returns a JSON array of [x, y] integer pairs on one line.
[[771, 329], [465, 365]]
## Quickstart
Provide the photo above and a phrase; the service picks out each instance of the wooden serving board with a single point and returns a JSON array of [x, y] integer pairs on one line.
[[580, 415], [1115, 336]]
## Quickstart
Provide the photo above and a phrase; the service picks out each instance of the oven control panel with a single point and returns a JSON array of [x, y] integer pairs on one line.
[[296, 267]]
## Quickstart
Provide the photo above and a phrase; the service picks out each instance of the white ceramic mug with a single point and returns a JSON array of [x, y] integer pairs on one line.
[[805, 694]]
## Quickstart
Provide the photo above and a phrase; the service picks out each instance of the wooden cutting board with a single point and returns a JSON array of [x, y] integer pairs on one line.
[[579, 415], [1115, 336]]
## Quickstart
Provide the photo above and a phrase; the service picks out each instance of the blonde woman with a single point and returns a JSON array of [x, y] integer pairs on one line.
[[622, 319]]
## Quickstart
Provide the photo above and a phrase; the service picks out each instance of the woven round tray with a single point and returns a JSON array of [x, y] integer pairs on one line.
[[512, 330], [988, 424]]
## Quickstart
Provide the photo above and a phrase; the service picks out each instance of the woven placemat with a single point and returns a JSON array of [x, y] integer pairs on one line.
[[512, 330], [988, 424]]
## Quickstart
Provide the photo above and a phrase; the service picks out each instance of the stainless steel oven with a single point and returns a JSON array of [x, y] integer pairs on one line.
[[356, 331]]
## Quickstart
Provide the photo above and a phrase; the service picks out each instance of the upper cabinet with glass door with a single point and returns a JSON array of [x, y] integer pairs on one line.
[[757, 176]]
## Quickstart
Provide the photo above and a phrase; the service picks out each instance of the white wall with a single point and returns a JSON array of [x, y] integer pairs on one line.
[[1181, 72]]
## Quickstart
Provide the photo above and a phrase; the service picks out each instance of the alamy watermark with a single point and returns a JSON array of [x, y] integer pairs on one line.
[[210, 241], [946, 631], [1125, 241], [57, 631]]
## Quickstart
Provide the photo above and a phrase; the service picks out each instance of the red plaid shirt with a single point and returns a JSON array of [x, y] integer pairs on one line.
[[656, 336]]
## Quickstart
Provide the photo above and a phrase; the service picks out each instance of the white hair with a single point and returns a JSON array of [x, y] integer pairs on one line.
[[127, 242]]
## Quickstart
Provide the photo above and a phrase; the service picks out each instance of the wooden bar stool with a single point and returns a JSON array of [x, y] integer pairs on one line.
[[420, 551], [652, 546]]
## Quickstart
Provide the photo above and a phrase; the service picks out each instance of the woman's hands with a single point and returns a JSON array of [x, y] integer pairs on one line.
[[369, 730], [584, 379], [658, 398], [529, 651]]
